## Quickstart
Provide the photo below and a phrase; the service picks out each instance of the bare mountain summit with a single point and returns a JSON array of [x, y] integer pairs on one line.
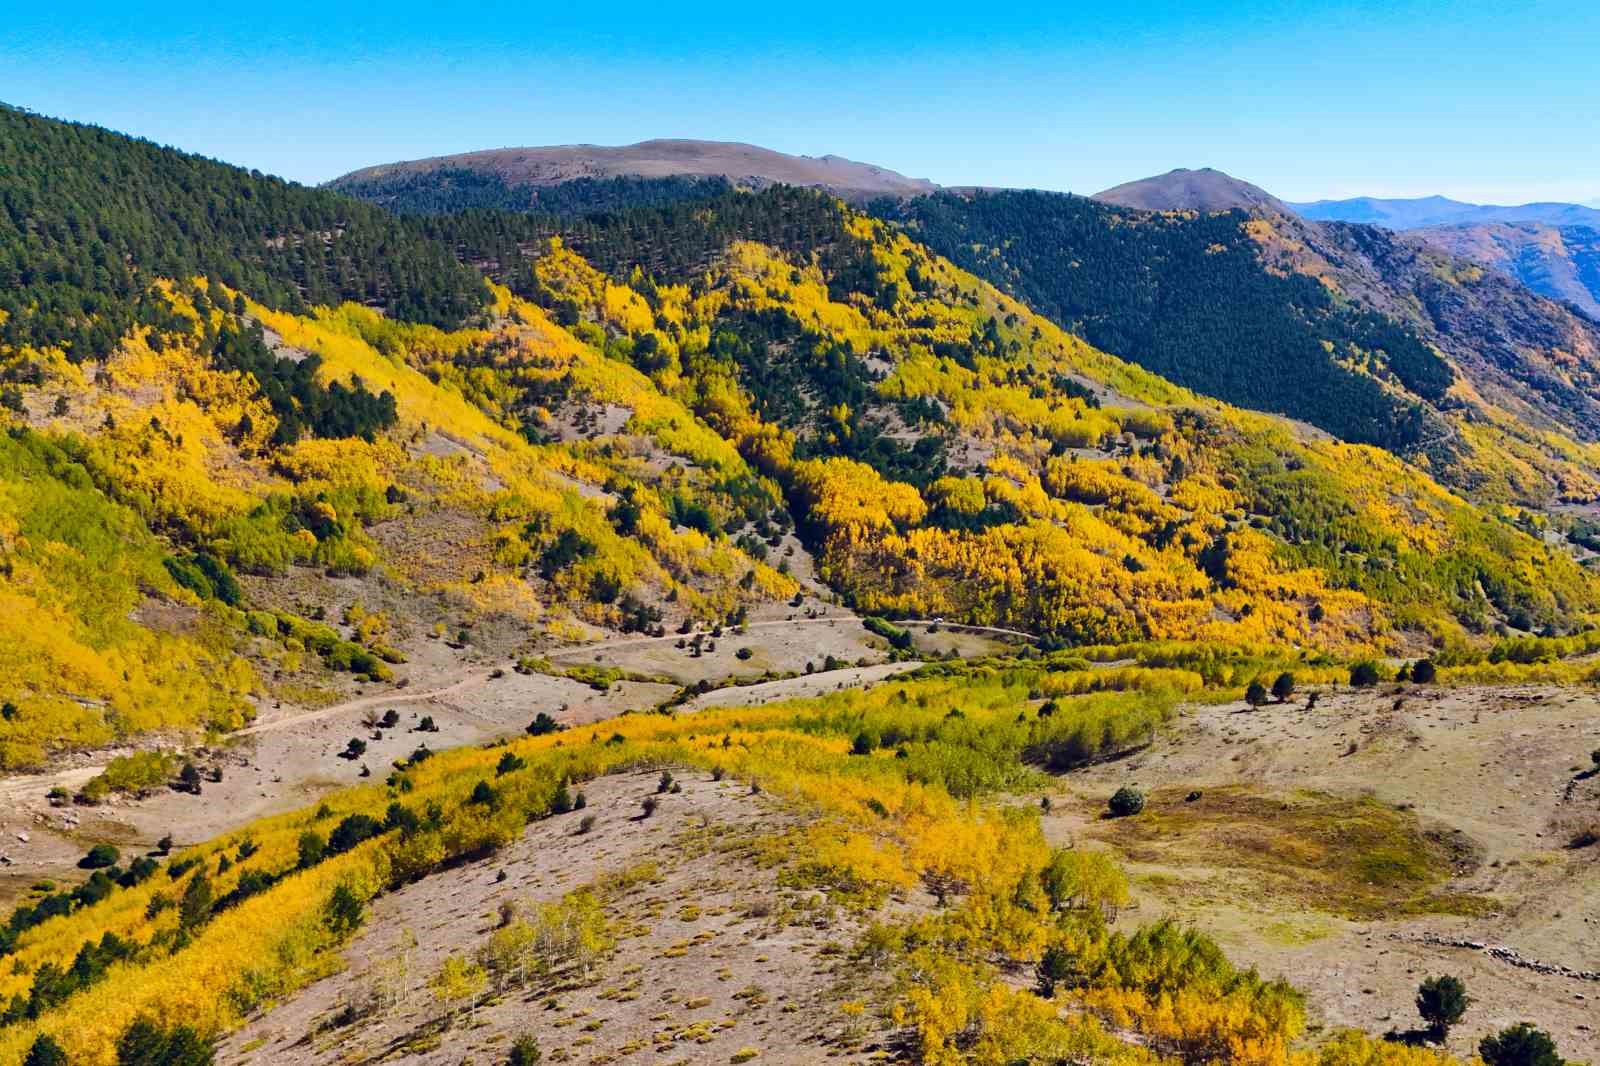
[[739, 163], [1193, 190]]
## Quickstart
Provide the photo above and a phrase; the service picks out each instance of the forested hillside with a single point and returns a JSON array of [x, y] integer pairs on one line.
[[621, 435], [1370, 336], [91, 217], [448, 190]]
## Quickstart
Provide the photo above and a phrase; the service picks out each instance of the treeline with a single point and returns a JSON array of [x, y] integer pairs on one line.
[[88, 218], [1187, 297], [449, 190]]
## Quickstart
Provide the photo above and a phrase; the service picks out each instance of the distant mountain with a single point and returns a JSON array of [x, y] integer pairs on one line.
[[517, 177], [1192, 190], [1561, 262], [1553, 248], [1441, 211]]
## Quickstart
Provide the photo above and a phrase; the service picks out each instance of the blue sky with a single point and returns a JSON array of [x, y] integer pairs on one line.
[[1481, 101]]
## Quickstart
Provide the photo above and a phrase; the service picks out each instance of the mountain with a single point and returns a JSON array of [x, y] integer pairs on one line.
[[379, 593], [1192, 190], [1549, 247], [652, 171], [1371, 335], [1561, 262], [1441, 211], [608, 424]]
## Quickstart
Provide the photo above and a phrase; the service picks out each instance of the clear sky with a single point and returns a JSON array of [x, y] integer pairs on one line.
[[1482, 101]]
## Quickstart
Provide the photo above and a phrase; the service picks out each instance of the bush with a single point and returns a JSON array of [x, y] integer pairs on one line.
[[742, 654], [1126, 801], [311, 849], [1283, 687], [344, 912], [1519, 1045], [1364, 674], [649, 805], [352, 831], [524, 1051], [99, 857], [542, 724], [1423, 672], [1256, 694], [1442, 1001]]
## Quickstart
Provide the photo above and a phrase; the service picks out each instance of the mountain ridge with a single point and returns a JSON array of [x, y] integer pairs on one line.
[[1403, 213], [738, 162]]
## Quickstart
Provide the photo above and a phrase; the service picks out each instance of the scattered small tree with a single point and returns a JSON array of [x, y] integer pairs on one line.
[[1126, 801], [649, 805], [355, 749], [1364, 674], [1283, 687], [542, 724], [1256, 694], [344, 912], [99, 857], [1423, 672], [1519, 1045], [1442, 1001], [524, 1051], [312, 848], [665, 784]]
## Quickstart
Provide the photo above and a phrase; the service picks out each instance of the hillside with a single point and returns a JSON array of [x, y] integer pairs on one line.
[[1370, 335], [1552, 248], [626, 449], [633, 175], [1561, 262], [716, 628]]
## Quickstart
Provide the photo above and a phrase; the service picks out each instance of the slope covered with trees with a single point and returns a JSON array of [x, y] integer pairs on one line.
[[450, 190], [89, 219], [1371, 336], [1185, 297], [635, 408]]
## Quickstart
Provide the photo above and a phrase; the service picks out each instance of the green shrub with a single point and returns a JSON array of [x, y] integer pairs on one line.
[[1126, 801]]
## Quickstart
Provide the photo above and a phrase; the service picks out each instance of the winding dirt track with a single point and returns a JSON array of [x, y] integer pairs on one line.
[[73, 779], [633, 642]]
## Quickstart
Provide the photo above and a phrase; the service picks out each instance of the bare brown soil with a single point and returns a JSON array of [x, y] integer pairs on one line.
[[1468, 796], [712, 958]]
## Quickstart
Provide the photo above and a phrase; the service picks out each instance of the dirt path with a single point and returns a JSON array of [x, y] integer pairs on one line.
[[798, 687], [797, 623], [360, 703]]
